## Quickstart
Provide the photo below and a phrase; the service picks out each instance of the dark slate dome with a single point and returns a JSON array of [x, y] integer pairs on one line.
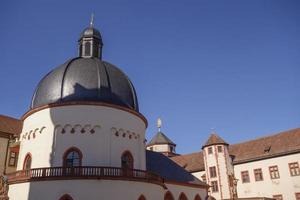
[[86, 78], [90, 32]]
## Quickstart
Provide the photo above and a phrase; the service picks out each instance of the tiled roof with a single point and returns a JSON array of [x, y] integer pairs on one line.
[[168, 169], [214, 139], [283, 143], [10, 125], [191, 162], [269, 146], [160, 138]]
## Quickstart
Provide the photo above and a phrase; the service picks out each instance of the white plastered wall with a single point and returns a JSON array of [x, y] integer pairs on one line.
[[286, 185], [160, 148], [85, 189], [48, 133], [97, 189]]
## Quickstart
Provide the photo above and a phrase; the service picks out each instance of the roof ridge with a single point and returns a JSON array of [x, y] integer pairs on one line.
[[266, 136]]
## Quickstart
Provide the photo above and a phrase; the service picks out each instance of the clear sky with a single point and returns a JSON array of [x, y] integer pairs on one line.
[[229, 65]]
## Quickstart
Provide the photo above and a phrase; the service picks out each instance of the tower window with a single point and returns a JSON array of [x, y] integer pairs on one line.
[[209, 150], [294, 169], [87, 48], [214, 186], [212, 172], [72, 158], [220, 149], [245, 177]]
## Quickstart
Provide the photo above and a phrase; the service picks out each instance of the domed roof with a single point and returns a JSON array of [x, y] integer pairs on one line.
[[90, 32], [86, 79]]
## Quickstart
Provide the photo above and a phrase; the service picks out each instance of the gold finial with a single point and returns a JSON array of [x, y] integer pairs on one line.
[[92, 21], [159, 123]]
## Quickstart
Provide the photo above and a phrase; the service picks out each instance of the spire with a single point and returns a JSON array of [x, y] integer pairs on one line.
[[92, 21], [159, 124]]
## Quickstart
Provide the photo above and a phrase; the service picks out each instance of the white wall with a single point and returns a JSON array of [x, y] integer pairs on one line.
[[160, 148], [85, 189], [42, 136], [99, 189], [286, 185]]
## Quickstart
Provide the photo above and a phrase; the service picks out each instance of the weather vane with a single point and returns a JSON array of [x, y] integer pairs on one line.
[[159, 123], [92, 20]]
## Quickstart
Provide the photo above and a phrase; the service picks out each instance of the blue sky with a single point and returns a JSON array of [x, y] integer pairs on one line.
[[228, 65]]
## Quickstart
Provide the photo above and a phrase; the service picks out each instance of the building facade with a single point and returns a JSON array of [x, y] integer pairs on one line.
[[267, 167]]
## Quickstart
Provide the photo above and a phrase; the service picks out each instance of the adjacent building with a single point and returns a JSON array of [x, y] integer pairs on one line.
[[266, 167]]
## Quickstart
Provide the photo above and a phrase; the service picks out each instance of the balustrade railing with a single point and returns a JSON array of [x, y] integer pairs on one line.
[[81, 173]]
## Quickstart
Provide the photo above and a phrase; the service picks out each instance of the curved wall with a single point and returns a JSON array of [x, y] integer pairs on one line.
[[101, 133], [85, 189]]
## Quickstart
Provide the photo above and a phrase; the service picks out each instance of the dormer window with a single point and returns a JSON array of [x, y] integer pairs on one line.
[[267, 149]]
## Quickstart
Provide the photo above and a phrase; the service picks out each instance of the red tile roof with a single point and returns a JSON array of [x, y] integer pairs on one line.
[[283, 143], [214, 139], [10, 125]]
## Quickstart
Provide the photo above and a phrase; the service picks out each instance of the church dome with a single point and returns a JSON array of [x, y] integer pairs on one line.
[[86, 78]]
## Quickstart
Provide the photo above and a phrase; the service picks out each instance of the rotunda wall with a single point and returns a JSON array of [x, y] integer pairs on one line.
[[101, 133]]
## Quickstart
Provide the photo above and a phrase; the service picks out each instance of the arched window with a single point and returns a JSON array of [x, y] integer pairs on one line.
[[142, 197], [197, 197], [72, 157], [27, 162], [127, 160], [87, 49], [182, 197], [168, 196], [66, 197]]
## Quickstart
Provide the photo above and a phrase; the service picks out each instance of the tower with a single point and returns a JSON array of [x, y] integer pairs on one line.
[[218, 167], [83, 122], [161, 143]]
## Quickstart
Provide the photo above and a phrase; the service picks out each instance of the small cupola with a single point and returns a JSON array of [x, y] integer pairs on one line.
[[161, 143], [90, 42]]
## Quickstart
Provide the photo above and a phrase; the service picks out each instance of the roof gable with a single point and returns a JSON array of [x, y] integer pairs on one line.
[[160, 138], [214, 139]]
